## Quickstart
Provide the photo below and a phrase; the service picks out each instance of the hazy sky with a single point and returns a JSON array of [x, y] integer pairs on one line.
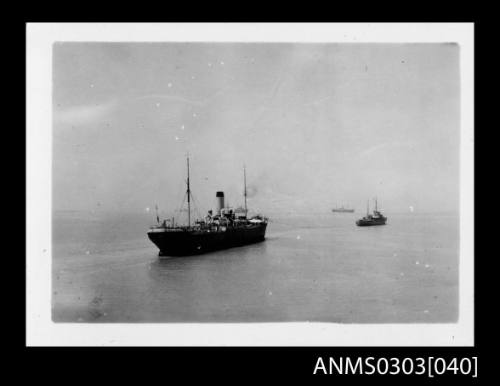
[[316, 125]]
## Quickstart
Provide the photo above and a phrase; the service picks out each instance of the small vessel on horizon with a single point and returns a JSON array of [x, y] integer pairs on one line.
[[377, 218], [342, 210], [226, 228]]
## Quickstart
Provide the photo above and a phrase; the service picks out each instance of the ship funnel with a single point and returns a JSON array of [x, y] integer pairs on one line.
[[220, 201]]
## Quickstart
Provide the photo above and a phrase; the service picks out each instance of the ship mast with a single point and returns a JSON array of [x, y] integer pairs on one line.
[[245, 191], [375, 204], [367, 207], [188, 194]]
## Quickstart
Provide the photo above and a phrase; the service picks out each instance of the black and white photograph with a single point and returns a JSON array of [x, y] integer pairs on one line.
[[250, 183]]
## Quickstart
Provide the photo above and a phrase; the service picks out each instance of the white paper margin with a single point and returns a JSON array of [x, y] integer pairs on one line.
[[41, 331]]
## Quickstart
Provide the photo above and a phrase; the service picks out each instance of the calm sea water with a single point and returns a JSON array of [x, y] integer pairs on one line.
[[310, 268]]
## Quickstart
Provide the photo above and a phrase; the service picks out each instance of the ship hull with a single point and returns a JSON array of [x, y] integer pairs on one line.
[[343, 210], [192, 242], [366, 223]]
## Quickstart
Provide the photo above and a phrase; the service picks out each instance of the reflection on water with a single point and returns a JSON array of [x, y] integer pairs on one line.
[[311, 269], [220, 261]]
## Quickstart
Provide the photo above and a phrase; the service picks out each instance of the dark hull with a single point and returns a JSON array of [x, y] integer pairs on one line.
[[366, 223], [191, 242]]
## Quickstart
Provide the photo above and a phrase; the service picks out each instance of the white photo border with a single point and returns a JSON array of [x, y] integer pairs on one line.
[[41, 331]]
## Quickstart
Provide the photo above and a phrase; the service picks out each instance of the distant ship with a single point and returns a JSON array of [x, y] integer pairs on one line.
[[342, 210], [223, 229], [377, 218]]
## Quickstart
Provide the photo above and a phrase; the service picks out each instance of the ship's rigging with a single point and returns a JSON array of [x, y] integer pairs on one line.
[[192, 203]]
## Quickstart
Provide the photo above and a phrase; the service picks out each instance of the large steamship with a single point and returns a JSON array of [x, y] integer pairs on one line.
[[224, 228]]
